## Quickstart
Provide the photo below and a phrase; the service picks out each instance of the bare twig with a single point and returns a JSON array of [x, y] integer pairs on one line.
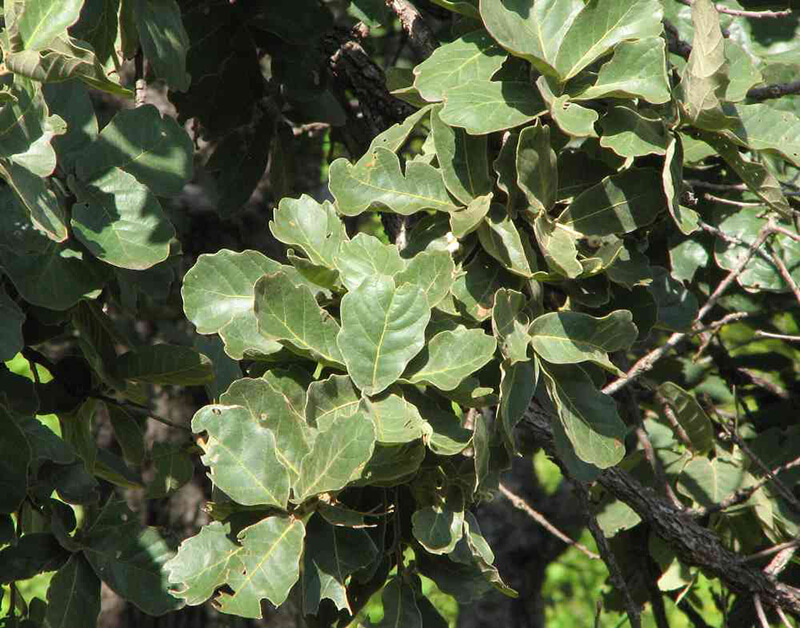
[[782, 548], [675, 44], [519, 503], [787, 233], [143, 410], [673, 421], [787, 277], [765, 92], [420, 35], [728, 201], [767, 334], [762, 617], [784, 619], [735, 187], [751, 14], [140, 83]]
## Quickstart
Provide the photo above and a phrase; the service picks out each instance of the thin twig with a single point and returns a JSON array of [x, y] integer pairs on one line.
[[784, 619], [737, 187], [777, 90], [762, 617], [787, 277], [144, 410], [673, 421], [775, 549], [766, 334], [751, 14], [728, 201], [786, 232], [614, 571], [519, 503]]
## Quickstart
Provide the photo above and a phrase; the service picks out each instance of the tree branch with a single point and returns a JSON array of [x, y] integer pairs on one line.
[[750, 14], [694, 544], [766, 92], [420, 35], [675, 44]]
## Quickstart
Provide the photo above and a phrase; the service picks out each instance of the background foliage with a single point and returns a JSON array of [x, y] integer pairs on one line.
[[363, 263]]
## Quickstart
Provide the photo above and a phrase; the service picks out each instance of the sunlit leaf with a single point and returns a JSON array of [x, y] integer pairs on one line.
[[365, 256], [314, 227], [483, 107]]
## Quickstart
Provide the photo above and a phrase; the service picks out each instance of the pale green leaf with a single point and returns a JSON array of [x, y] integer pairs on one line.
[[165, 364], [708, 482], [505, 165], [531, 30], [331, 554], [483, 107], [270, 565], [203, 562], [391, 465], [471, 56], [121, 221], [618, 204], [378, 182], [638, 69], [152, 148], [500, 238], [396, 136], [743, 71], [588, 417], [571, 337], [241, 454], [329, 399], [314, 227], [463, 160], [672, 180], [218, 296], [338, 457], [450, 356], [286, 312], [600, 26], [40, 21], [433, 271], [517, 387], [383, 328], [691, 417], [73, 597], [632, 133], [764, 127], [439, 527], [510, 324], [269, 406], [537, 175], [558, 247], [365, 256], [396, 419], [39, 201], [474, 290], [468, 8], [465, 221], [686, 258]]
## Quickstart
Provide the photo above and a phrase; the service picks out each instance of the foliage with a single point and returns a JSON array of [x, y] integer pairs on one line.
[[365, 396]]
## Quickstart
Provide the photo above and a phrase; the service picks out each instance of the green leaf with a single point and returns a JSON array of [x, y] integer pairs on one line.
[[152, 148], [270, 407], [132, 565], [630, 269], [396, 136], [708, 482], [510, 325], [396, 419], [203, 562], [164, 40], [378, 182], [763, 127], [338, 456], [330, 399], [99, 26], [15, 455], [505, 165], [399, 606], [500, 238], [165, 364], [391, 465], [474, 56], [531, 31], [691, 417], [331, 554], [290, 313], [129, 432], [672, 179], [475, 289], [450, 356], [439, 526], [314, 227], [432, 271], [743, 71], [705, 78], [465, 221], [755, 175], [517, 386], [73, 597], [468, 8], [65, 58], [241, 452], [588, 416], [463, 160], [571, 118], [121, 222], [631, 133], [218, 296], [537, 175], [687, 257], [557, 246], [32, 554], [618, 204], [44, 443], [483, 107], [571, 337], [38, 199], [270, 559], [677, 307], [11, 319], [638, 69], [41, 21], [383, 327], [365, 256], [173, 468], [600, 26]]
